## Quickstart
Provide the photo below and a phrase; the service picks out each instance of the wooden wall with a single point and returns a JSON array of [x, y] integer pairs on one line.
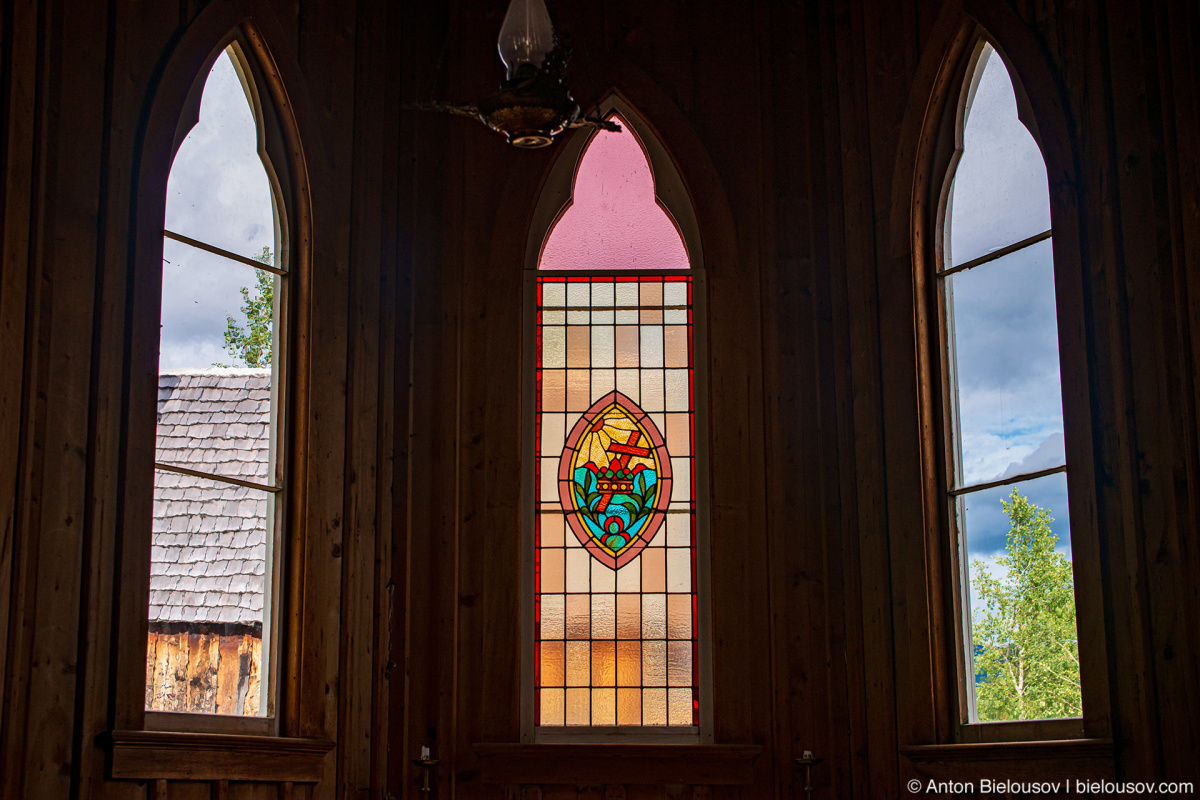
[[798, 129], [92, 94]]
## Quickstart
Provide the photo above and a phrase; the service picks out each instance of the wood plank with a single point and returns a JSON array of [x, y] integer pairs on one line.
[[863, 494], [227, 676], [363, 652], [210, 756], [583, 764]]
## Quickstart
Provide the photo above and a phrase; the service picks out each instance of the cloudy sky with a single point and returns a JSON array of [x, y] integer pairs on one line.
[[218, 193], [1006, 342]]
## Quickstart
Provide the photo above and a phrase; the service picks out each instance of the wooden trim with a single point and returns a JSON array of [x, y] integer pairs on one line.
[[616, 763], [158, 755], [215, 478], [1009, 751], [1023, 476], [997, 254], [217, 251], [1054, 761], [198, 722]]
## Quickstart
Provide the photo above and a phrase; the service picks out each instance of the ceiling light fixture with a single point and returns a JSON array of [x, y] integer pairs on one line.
[[532, 105]]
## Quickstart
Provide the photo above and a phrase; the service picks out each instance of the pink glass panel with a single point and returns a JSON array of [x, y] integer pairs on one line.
[[613, 220]]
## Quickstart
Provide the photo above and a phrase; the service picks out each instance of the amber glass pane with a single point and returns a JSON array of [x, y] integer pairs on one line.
[[654, 663], [654, 706], [604, 616], [679, 616], [578, 707], [552, 530], [554, 390], [675, 346], [629, 663], [578, 663], [552, 706], [579, 617], [553, 560], [604, 664], [604, 706], [629, 706], [680, 706], [629, 616], [654, 570], [552, 665]]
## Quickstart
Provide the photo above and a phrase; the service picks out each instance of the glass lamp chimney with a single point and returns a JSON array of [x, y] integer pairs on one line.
[[526, 35]]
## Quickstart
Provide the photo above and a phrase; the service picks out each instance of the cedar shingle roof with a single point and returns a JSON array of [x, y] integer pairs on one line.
[[209, 537]]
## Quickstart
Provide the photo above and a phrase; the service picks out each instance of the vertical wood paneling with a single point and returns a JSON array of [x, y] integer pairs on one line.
[[870, 568], [326, 31], [64, 254], [788, 113], [363, 641], [430, 434], [18, 206]]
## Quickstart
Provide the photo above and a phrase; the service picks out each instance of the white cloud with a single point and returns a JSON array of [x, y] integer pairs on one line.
[[218, 192]]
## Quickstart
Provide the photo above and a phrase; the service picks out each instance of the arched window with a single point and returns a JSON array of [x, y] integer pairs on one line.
[[616, 518], [1006, 467], [219, 462]]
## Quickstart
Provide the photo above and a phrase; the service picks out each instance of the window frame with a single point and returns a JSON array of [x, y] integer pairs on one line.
[[553, 199], [276, 514], [174, 112], [942, 149]]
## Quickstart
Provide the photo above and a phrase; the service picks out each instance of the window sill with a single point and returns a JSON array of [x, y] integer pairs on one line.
[[191, 722], [703, 764], [157, 755], [1028, 730], [1063, 758]]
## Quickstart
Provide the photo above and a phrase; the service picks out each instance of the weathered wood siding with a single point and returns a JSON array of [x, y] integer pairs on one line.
[[203, 672]]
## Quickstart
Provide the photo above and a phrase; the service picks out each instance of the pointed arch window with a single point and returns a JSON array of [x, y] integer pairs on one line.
[[1006, 473], [220, 461], [616, 507]]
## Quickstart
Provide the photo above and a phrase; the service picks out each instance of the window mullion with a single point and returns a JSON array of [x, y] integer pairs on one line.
[[195, 473], [997, 254], [208, 248]]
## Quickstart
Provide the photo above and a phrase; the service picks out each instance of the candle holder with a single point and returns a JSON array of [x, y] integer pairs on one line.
[[427, 765], [808, 762]]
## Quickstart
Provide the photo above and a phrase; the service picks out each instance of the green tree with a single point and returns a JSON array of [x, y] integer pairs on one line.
[[1025, 640], [252, 344]]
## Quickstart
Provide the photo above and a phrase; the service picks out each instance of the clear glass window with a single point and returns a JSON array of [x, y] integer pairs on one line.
[[1007, 459], [219, 461]]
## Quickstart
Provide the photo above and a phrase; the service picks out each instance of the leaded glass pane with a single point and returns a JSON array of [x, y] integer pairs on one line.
[[616, 515]]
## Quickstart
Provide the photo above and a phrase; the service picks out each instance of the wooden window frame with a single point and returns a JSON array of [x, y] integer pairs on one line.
[[270, 151], [148, 745], [938, 157], [672, 195]]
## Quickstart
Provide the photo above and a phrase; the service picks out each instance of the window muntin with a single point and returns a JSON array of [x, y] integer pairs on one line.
[[1004, 398], [219, 461], [615, 628]]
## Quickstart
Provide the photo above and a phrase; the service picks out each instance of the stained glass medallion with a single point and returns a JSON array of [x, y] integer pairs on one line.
[[615, 479]]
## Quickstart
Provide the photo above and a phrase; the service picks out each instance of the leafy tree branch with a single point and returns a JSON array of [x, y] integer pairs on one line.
[[1025, 640], [252, 344]]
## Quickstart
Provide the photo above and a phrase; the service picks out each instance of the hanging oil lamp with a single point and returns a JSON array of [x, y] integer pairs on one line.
[[532, 105]]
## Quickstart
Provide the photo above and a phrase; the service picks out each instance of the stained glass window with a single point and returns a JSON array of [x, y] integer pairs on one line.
[[615, 520]]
